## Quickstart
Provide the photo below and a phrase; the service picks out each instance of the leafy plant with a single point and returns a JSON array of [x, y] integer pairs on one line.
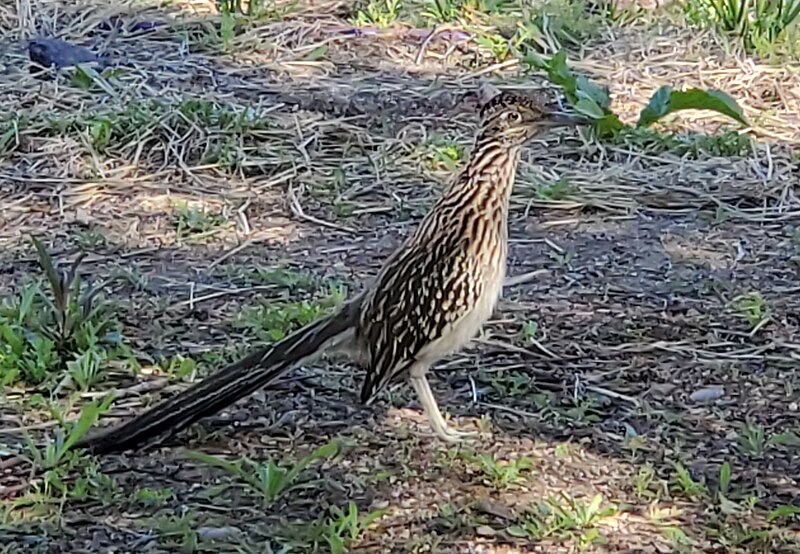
[[62, 441], [152, 498], [752, 308], [512, 383], [688, 486], [342, 527], [72, 328], [10, 127], [496, 44], [178, 367], [554, 24], [252, 8], [442, 154], [443, 11], [757, 23], [55, 466], [501, 474], [783, 512], [380, 13], [72, 307], [594, 101], [564, 517], [285, 277], [189, 220], [666, 101], [337, 530], [269, 480], [555, 191], [274, 321], [752, 439]]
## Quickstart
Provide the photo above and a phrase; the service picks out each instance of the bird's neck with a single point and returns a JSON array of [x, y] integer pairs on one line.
[[488, 178]]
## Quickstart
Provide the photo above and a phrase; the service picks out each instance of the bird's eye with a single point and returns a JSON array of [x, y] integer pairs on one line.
[[514, 116]]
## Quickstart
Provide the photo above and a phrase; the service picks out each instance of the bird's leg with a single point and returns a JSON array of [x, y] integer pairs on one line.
[[420, 383]]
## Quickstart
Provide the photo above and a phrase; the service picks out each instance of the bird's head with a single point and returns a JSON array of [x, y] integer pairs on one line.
[[514, 118]]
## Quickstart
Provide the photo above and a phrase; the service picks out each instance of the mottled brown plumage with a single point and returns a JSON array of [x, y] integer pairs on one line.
[[429, 300]]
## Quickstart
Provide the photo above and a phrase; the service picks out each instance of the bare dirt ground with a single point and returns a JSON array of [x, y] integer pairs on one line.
[[647, 336]]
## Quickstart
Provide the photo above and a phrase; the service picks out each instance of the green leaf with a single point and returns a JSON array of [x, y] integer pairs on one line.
[[47, 264], [665, 101], [589, 107], [783, 511], [726, 506], [517, 531], [609, 125], [595, 505], [786, 439], [561, 75], [82, 78], [724, 476], [325, 451], [317, 53], [588, 89], [89, 414], [202, 457]]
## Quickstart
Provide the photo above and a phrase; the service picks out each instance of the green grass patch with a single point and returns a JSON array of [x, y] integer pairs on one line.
[[63, 336]]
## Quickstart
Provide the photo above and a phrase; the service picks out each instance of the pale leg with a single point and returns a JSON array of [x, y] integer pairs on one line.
[[431, 408]]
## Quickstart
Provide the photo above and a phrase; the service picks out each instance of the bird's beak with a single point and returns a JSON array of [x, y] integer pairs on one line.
[[561, 119]]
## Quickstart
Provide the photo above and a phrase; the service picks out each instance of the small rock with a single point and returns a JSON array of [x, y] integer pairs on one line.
[[485, 531], [707, 394]]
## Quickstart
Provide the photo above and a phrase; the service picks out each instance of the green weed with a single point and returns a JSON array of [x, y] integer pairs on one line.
[[512, 383], [555, 24], [379, 13], [71, 329], [556, 191], [227, 132], [442, 154], [442, 11], [285, 277], [342, 528], [91, 238], [758, 24], [272, 322], [255, 9], [177, 531], [682, 480], [336, 531], [60, 444], [752, 439], [193, 220], [268, 481], [645, 482], [152, 498], [10, 128], [500, 473], [563, 518], [178, 367], [594, 101], [61, 473], [752, 308]]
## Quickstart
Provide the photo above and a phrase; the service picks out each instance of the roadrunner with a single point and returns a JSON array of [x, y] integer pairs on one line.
[[431, 297]]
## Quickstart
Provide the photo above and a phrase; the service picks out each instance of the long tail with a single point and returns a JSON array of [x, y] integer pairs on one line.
[[229, 384]]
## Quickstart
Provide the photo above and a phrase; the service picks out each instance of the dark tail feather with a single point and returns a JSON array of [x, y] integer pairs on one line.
[[227, 385]]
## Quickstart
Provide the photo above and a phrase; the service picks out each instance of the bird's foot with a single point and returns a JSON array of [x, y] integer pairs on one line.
[[450, 435]]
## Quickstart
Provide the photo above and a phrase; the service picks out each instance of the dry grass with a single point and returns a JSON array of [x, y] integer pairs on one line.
[[300, 143]]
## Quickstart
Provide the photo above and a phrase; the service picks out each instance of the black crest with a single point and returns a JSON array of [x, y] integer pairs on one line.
[[506, 99]]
